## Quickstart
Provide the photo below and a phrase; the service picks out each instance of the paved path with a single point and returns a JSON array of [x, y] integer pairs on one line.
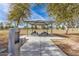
[[40, 46]]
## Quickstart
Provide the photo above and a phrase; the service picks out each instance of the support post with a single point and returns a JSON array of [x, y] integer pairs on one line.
[[27, 29], [13, 37], [32, 28], [47, 28], [11, 42], [51, 28]]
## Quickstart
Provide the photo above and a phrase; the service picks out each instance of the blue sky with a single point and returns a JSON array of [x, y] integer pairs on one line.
[[37, 12], [3, 12]]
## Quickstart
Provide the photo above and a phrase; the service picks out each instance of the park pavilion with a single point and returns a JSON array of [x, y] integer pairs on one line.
[[37, 25]]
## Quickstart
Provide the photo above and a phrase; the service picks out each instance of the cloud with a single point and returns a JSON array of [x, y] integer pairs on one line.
[[36, 16], [40, 10]]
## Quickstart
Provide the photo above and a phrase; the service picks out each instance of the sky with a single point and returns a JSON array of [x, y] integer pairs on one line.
[[3, 12], [37, 12]]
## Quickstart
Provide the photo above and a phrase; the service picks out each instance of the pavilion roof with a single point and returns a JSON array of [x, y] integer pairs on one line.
[[39, 22]]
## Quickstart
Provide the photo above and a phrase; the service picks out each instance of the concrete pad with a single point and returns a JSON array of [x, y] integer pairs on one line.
[[40, 46], [30, 53]]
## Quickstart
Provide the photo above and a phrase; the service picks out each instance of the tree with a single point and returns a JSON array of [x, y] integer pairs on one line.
[[18, 12], [64, 12], [1, 25]]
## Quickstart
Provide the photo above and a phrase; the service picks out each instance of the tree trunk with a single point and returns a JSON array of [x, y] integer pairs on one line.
[[18, 31], [17, 24], [68, 25], [67, 30]]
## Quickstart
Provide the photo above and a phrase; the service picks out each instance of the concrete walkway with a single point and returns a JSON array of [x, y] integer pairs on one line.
[[40, 46]]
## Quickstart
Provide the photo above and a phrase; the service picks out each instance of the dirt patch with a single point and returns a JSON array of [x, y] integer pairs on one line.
[[68, 46]]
